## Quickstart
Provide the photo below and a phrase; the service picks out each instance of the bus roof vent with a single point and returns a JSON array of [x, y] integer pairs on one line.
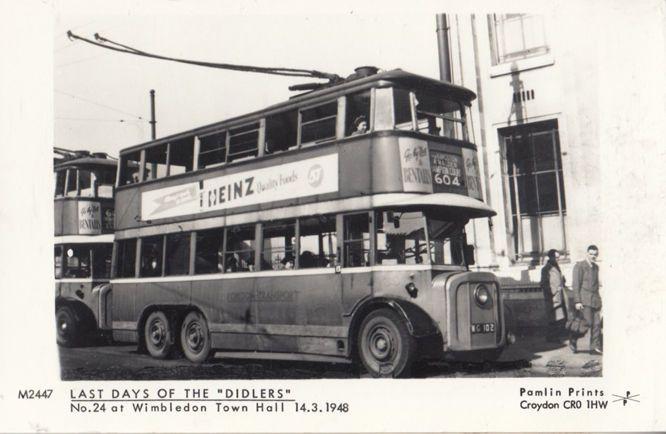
[[363, 71]]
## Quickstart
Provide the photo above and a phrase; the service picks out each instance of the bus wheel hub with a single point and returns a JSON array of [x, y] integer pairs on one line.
[[380, 344]]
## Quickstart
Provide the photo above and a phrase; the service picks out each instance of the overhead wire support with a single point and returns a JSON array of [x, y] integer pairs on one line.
[[290, 72]]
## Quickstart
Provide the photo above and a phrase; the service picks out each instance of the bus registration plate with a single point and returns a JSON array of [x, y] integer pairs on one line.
[[483, 327]]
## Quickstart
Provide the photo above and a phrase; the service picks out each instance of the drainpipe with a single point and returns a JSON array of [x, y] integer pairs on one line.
[[443, 48]]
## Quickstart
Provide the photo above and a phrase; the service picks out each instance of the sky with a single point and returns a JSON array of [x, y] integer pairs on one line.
[[101, 98]]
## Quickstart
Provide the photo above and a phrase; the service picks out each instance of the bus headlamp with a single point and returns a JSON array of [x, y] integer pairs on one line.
[[482, 295]]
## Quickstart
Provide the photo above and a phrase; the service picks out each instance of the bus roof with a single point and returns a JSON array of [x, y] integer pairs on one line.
[[86, 163], [382, 79]]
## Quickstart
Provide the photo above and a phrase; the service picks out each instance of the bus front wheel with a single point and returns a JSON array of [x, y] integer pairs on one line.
[[385, 346], [195, 338], [67, 327], [158, 335]]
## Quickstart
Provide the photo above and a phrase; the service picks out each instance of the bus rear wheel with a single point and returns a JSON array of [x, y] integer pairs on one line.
[[195, 338], [158, 335], [385, 346], [67, 327]]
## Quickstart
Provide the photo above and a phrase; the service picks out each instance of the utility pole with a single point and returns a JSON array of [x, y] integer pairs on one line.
[[443, 48], [152, 115]]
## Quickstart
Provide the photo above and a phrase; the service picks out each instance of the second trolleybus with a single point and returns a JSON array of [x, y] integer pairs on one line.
[[327, 227]]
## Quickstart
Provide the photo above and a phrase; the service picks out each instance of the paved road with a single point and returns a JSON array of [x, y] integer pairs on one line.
[[122, 362]]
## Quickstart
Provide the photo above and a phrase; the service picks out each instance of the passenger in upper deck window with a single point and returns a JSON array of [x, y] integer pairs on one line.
[[360, 126]]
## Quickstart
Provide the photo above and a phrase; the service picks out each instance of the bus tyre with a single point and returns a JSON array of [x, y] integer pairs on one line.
[[158, 335], [385, 346], [67, 327], [195, 338]]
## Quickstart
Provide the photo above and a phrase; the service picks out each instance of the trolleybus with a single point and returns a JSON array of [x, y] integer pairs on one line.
[[83, 208], [327, 227]]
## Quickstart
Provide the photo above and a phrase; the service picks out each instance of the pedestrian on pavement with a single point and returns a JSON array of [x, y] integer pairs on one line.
[[587, 299], [552, 285]]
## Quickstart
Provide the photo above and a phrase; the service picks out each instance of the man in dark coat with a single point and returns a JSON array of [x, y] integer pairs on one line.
[[552, 285], [587, 299]]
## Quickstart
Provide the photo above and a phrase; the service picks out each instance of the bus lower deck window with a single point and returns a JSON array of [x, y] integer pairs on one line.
[[209, 251], [278, 248], [177, 257], [317, 242], [151, 256], [357, 240], [401, 238], [239, 251], [125, 258]]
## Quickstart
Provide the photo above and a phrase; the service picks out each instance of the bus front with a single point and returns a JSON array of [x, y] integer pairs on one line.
[[429, 167]]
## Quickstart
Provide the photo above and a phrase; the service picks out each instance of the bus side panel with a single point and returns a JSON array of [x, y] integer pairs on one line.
[[300, 313], [391, 284], [125, 315], [355, 288], [228, 305]]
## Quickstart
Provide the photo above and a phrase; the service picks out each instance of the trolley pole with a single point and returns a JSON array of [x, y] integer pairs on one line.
[[443, 48], [152, 115]]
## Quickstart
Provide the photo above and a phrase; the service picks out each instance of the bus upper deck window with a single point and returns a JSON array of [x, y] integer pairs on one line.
[[281, 132], [212, 149], [243, 142], [402, 109], [70, 187], [129, 168], [60, 183], [156, 162], [181, 156], [438, 116], [105, 180], [85, 183], [318, 123], [357, 113]]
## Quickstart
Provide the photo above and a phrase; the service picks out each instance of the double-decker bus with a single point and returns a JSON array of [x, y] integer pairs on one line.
[[83, 209], [327, 227]]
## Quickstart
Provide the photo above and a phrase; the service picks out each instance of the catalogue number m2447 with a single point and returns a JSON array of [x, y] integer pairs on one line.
[[35, 393]]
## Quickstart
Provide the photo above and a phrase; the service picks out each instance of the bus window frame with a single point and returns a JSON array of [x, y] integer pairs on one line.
[[371, 235], [241, 126], [299, 135]]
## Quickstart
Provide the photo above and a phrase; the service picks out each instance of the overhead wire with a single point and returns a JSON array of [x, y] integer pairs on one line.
[[99, 104], [291, 72]]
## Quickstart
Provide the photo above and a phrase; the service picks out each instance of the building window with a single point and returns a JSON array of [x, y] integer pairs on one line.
[[533, 174], [516, 36]]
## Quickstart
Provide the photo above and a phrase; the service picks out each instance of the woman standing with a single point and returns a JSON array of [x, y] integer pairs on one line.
[[552, 284]]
